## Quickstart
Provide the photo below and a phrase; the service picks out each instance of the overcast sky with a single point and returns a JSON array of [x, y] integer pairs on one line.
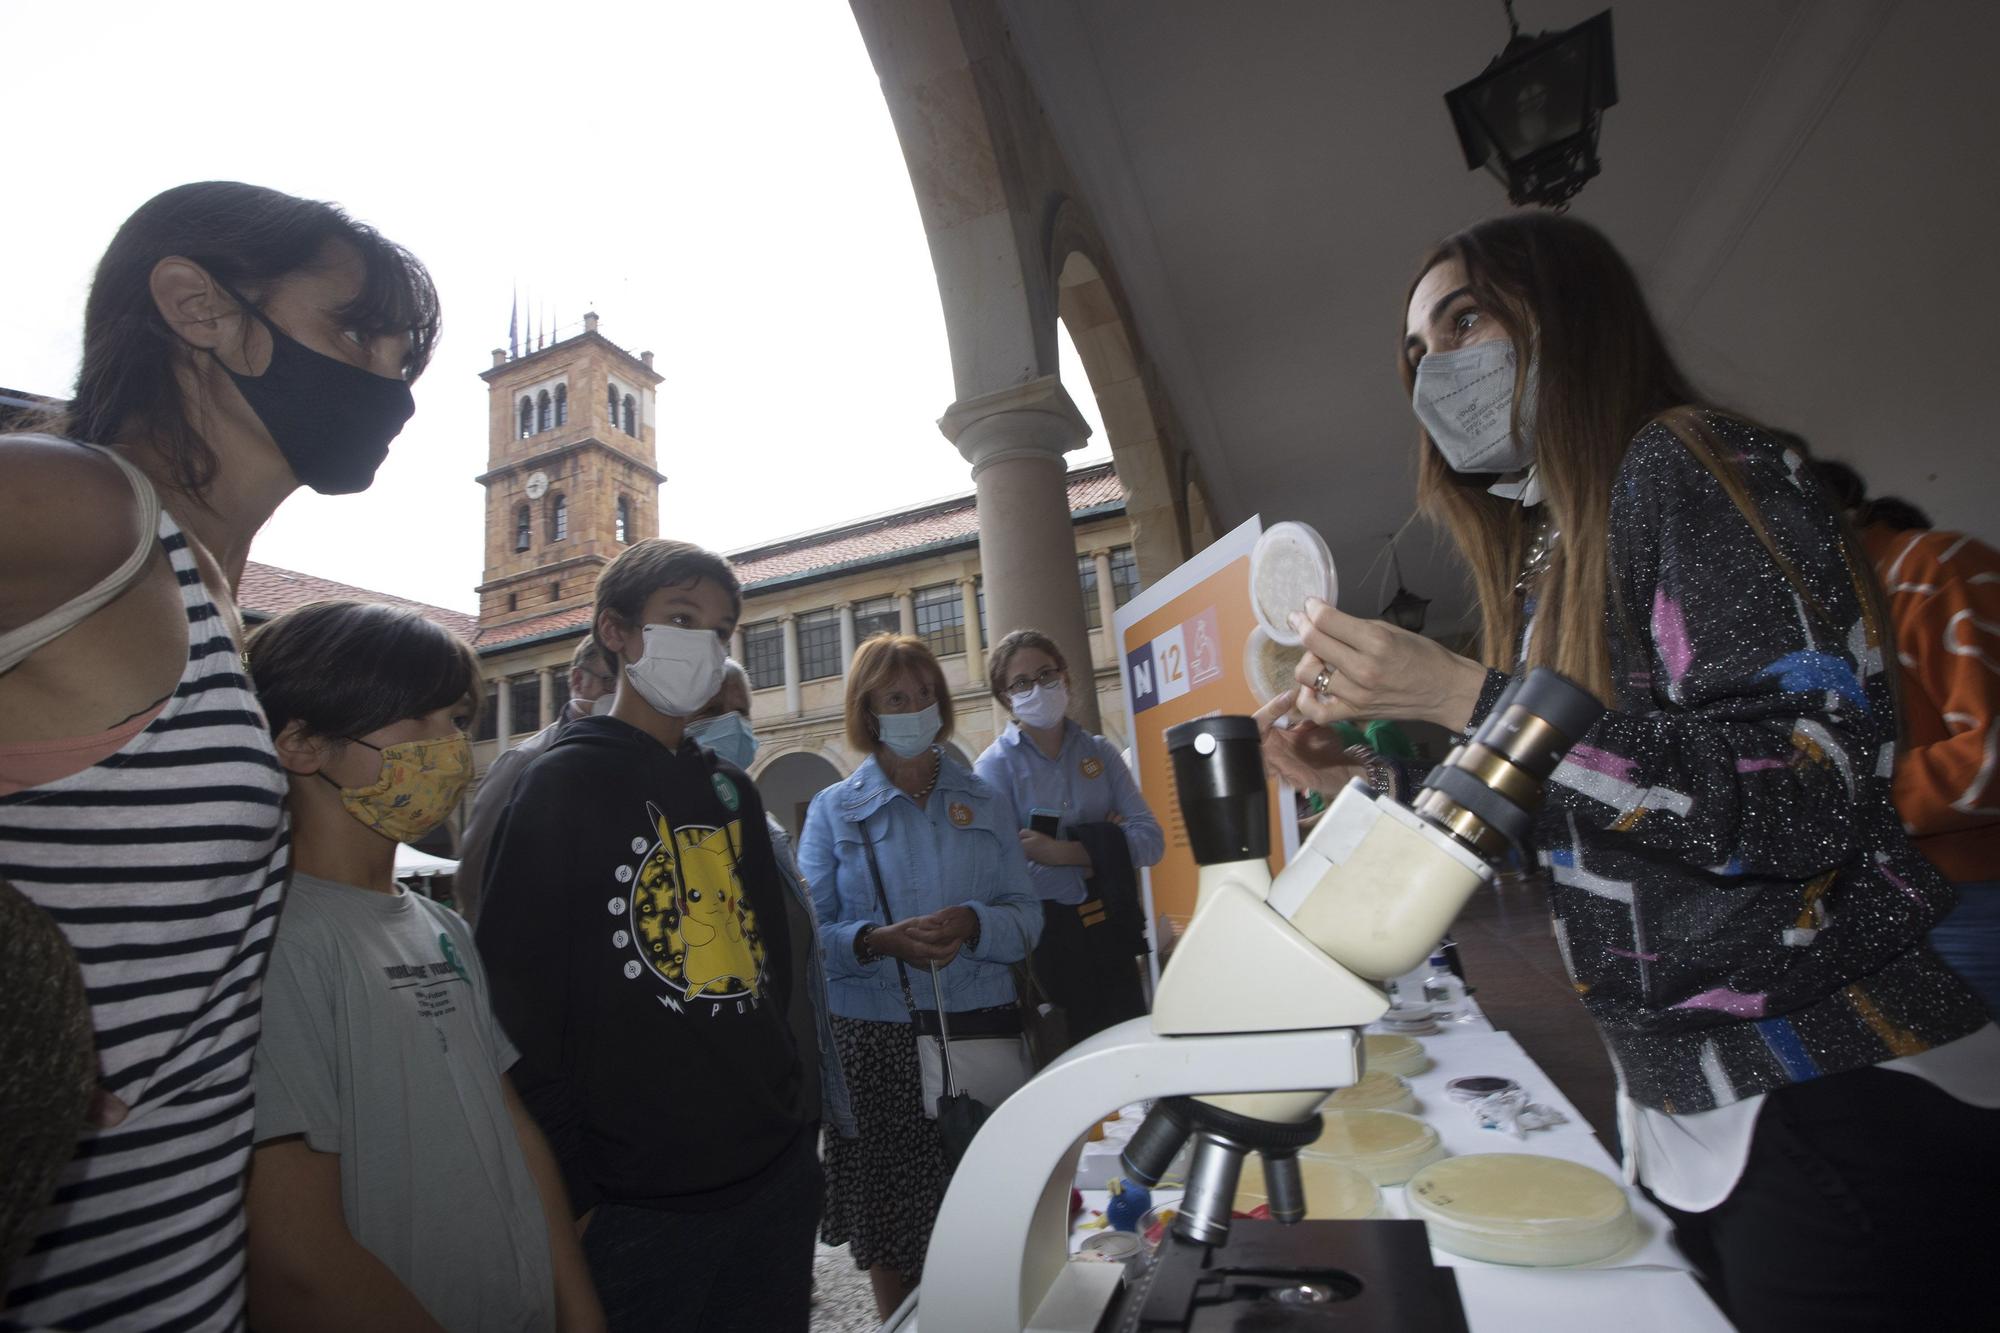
[[719, 181]]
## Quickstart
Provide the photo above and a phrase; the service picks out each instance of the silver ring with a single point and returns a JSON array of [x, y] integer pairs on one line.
[[1323, 682]]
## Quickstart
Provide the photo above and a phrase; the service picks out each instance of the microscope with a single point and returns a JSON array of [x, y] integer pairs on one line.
[[1255, 1023]]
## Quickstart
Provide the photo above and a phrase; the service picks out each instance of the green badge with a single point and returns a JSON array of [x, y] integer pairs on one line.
[[451, 956], [726, 791]]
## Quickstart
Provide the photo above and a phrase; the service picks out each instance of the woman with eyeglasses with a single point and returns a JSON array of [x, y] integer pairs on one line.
[[1086, 832]]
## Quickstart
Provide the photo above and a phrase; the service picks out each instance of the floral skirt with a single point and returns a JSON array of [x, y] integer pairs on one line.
[[884, 1188]]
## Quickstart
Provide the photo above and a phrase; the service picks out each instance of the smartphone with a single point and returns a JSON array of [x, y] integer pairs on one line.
[[1047, 822]]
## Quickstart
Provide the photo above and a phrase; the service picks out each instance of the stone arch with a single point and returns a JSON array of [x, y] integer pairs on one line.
[[790, 780]]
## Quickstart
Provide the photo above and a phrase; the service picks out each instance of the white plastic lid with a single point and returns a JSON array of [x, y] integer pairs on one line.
[[1388, 1147], [1376, 1090], [1290, 563], [1521, 1208], [1393, 1054]]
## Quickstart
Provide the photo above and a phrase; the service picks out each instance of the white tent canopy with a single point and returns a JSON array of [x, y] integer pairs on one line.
[[422, 865]]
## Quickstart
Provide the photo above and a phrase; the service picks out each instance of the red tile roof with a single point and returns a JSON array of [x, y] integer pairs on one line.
[[874, 540], [535, 627], [268, 591]]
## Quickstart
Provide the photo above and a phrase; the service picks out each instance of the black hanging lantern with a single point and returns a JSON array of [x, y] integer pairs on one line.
[[1405, 610], [1532, 117]]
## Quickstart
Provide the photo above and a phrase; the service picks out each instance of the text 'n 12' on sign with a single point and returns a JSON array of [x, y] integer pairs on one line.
[[1185, 658]]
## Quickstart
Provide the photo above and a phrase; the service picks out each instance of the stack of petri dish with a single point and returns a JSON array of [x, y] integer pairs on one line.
[[1388, 1147], [1376, 1090], [1519, 1208], [1393, 1054]]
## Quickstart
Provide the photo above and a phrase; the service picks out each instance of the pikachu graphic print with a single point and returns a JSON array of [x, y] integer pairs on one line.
[[689, 921]]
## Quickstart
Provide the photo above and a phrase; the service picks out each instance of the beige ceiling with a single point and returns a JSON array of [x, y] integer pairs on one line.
[[1807, 188]]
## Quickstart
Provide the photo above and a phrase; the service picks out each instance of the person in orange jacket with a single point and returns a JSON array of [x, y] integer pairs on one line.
[[1944, 596]]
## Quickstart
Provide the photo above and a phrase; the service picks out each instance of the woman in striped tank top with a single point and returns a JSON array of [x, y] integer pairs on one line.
[[238, 343]]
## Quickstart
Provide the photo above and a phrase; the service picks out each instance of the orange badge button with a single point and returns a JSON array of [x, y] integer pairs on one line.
[[1092, 767], [961, 814]]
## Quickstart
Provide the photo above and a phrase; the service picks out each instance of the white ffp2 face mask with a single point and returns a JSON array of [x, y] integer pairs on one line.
[[680, 671], [908, 734], [1465, 399]]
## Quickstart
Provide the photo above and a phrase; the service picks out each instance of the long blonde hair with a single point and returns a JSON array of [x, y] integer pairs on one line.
[[1569, 301]]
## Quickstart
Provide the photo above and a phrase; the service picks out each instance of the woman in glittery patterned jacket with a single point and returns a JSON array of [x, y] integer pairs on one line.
[[1804, 1086]]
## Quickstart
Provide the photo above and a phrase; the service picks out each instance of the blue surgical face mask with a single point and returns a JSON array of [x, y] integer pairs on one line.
[[908, 734], [728, 737]]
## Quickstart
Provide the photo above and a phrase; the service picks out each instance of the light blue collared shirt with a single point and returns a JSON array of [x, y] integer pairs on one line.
[[1086, 783]]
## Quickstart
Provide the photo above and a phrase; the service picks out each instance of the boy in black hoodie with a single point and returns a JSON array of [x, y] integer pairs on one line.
[[634, 931]]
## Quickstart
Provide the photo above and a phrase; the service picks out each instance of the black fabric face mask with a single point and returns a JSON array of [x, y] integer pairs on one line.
[[331, 420]]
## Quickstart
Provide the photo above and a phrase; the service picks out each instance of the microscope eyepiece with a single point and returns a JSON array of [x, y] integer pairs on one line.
[[1487, 790], [1218, 767]]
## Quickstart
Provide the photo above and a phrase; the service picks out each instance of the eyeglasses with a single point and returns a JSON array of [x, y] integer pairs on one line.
[[605, 680], [1022, 686]]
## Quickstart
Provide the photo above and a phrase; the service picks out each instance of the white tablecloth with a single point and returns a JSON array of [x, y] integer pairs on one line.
[[1645, 1288]]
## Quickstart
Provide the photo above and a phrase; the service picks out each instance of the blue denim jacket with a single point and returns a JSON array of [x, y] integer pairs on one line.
[[836, 1107], [962, 849]]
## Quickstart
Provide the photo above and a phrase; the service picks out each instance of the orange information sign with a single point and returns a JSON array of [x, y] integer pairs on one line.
[[1183, 643]]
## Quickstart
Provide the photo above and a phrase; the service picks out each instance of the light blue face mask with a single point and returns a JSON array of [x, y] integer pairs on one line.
[[908, 734], [728, 737]]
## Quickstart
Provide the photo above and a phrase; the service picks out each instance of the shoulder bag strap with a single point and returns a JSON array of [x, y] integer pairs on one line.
[[909, 1000], [17, 644]]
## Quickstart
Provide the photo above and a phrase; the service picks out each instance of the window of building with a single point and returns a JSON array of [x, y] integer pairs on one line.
[[513, 601], [819, 644], [624, 525], [527, 416], [631, 417], [1124, 575], [877, 615], [489, 716], [525, 692], [1086, 580], [561, 697], [764, 654], [558, 519], [562, 404], [555, 592], [611, 403], [941, 618], [544, 412], [524, 528]]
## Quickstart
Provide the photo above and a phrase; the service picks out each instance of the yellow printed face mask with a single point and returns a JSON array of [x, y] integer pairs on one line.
[[420, 784]]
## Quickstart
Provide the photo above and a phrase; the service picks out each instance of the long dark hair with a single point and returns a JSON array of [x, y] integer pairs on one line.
[[248, 237], [1571, 304]]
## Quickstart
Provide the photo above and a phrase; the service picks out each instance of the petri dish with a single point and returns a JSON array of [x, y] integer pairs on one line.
[[1520, 1208], [1290, 563], [1268, 665], [1334, 1193], [1393, 1054], [1376, 1090], [1388, 1147]]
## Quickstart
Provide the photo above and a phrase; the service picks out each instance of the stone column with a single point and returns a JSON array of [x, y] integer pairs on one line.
[[504, 726], [906, 612], [975, 651], [736, 644], [1107, 600], [793, 705], [1015, 440], [847, 644], [545, 702]]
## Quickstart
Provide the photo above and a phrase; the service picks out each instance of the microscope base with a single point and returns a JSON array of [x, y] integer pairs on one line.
[[1358, 1276]]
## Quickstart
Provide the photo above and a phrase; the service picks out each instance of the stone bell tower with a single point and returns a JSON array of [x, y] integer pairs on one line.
[[570, 478]]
